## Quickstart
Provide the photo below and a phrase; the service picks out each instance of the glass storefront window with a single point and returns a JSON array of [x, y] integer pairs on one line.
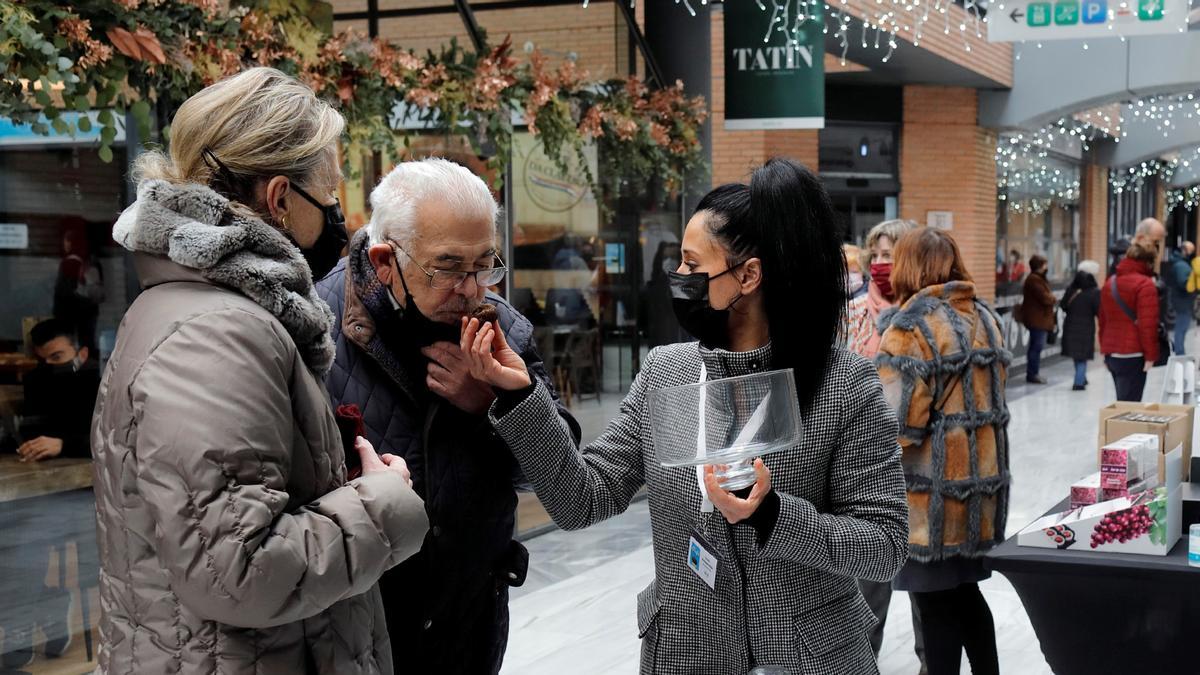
[[64, 285], [591, 279], [1038, 214], [858, 167]]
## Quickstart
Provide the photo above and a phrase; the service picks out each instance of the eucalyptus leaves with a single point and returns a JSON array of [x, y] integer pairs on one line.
[[142, 58]]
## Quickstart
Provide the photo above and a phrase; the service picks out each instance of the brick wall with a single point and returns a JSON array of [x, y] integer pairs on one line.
[[557, 30], [947, 163], [1093, 214], [992, 60], [736, 153]]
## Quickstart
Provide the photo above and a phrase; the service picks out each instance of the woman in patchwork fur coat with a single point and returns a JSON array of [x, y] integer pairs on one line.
[[943, 368]]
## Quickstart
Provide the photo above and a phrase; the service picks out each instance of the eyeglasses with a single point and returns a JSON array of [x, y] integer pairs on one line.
[[445, 280]]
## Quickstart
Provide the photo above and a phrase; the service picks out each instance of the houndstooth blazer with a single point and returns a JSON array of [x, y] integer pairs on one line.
[[792, 603]]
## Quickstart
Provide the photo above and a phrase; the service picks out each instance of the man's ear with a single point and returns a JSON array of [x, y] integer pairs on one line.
[[382, 257], [83, 354]]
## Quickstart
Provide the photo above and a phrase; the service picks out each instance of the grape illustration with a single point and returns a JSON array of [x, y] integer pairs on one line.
[[1123, 526]]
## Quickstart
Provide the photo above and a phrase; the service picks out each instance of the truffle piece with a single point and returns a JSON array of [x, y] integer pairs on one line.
[[350, 425], [485, 313]]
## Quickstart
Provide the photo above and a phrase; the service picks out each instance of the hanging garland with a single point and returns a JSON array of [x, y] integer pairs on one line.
[[1028, 178], [136, 56]]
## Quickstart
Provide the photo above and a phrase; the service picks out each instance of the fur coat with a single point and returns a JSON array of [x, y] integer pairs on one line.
[[943, 367]]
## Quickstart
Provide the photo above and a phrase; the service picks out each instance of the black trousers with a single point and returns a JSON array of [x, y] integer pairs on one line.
[[952, 621], [879, 597], [1128, 375]]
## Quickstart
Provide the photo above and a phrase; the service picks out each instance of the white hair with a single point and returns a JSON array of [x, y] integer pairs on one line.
[[1091, 267], [395, 200]]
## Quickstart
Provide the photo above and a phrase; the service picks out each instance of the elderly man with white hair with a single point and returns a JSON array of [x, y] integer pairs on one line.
[[428, 258]]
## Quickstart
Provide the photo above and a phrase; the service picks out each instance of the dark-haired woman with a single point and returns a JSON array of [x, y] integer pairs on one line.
[[762, 286], [1081, 302]]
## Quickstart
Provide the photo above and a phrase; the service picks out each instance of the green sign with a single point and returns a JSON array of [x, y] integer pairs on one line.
[[1150, 10], [1066, 13], [1039, 13], [774, 66]]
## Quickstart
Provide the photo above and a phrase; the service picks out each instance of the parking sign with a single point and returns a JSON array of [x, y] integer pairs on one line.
[[1095, 11]]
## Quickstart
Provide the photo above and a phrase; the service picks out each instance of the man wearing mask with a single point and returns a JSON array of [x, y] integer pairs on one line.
[[424, 262], [59, 395]]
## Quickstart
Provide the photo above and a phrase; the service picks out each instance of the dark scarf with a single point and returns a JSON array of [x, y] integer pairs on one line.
[[393, 348]]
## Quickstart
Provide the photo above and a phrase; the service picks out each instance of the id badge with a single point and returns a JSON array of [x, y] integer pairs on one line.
[[702, 559]]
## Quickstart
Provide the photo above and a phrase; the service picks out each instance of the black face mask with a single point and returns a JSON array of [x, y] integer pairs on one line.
[[689, 297], [327, 250], [67, 369], [426, 330]]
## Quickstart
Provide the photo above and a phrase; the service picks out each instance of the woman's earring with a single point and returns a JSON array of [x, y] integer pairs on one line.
[[283, 222]]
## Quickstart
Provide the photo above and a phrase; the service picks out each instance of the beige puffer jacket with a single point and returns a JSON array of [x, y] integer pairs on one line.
[[230, 541]]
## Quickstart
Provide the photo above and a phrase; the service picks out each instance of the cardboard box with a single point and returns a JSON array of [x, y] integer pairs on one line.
[[1148, 523], [1127, 461], [1086, 491], [1177, 432]]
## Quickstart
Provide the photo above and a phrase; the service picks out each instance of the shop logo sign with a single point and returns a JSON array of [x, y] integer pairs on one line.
[[1066, 13], [773, 58], [550, 187], [1095, 11], [774, 65]]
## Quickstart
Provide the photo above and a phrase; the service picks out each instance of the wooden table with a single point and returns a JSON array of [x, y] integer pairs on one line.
[[22, 480], [16, 364]]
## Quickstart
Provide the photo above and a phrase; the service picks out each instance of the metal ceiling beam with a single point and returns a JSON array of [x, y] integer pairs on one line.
[[472, 26], [635, 32]]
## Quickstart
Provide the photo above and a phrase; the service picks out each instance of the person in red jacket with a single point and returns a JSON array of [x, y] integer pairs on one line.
[[1129, 327]]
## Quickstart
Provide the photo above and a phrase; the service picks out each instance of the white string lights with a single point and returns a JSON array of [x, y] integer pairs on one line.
[[1167, 112], [1187, 198], [1133, 178], [1028, 175], [881, 22]]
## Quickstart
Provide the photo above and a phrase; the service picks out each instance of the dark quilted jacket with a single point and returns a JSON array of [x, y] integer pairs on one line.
[[447, 606]]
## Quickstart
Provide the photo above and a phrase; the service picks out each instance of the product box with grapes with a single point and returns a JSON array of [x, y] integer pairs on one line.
[[1147, 522]]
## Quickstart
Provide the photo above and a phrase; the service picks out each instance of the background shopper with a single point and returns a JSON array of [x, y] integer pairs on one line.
[[1038, 315], [1129, 320], [1081, 305], [763, 287], [863, 313], [863, 339], [230, 538], [1176, 274], [949, 392]]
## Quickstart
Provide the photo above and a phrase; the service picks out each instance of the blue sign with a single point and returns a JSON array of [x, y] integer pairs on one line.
[[1095, 11], [12, 133]]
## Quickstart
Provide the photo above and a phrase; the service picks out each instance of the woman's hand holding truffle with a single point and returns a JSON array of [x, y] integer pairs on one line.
[[490, 357]]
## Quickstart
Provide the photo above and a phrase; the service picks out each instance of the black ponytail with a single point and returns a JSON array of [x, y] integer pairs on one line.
[[785, 218]]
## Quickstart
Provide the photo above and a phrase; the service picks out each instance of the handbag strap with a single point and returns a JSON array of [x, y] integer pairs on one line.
[[1112, 286]]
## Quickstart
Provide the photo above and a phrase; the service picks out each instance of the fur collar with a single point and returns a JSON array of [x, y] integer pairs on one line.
[[193, 226], [928, 300]]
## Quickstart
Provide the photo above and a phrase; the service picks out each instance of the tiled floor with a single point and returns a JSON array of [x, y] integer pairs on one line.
[[576, 612]]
